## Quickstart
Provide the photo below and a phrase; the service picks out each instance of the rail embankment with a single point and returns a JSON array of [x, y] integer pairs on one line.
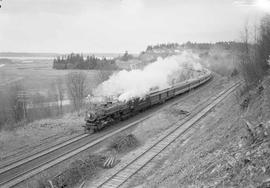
[[229, 149]]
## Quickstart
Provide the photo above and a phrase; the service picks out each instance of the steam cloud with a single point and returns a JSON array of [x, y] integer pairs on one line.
[[158, 75]]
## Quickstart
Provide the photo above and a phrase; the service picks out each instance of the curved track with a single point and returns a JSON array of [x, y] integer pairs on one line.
[[20, 170], [121, 173]]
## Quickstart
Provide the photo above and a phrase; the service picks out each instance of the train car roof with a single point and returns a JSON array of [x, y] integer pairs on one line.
[[180, 84]]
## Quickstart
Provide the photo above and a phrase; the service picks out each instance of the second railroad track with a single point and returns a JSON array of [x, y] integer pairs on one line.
[[19, 170], [121, 173]]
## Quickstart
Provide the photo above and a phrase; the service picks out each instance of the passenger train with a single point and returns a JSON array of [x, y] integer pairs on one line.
[[109, 113]]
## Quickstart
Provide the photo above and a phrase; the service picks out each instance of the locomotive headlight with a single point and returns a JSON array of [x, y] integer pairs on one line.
[[87, 116], [90, 116]]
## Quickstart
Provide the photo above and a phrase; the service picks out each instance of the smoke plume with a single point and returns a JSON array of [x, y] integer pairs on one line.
[[158, 75]]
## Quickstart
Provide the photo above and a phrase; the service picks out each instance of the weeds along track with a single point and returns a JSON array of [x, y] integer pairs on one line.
[[16, 171], [124, 171]]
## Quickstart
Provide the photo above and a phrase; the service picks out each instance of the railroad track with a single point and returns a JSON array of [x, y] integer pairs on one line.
[[123, 172], [17, 171]]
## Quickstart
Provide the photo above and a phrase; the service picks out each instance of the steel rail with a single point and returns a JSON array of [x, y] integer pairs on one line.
[[14, 179], [25, 159], [124, 172]]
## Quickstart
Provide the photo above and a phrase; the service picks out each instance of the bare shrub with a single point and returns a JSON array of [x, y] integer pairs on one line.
[[76, 85], [39, 107], [4, 109], [17, 102], [56, 93], [18, 107], [60, 92], [124, 143], [69, 177], [234, 72], [77, 171], [255, 53], [13, 106], [263, 41], [251, 71], [43, 184], [243, 96]]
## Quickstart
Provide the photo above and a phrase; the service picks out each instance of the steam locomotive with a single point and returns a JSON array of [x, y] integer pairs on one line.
[[109, 113]]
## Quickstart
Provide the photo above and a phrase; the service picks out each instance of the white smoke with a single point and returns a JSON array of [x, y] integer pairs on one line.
[[158, 75]]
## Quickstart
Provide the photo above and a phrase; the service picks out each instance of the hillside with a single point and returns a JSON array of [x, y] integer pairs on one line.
[[230, 148]]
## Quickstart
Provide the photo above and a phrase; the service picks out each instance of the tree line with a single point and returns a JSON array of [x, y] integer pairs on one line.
[[162, 46], [196, 45], [78, 61]]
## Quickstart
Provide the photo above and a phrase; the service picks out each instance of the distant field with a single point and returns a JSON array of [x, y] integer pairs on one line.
[[36, 74]]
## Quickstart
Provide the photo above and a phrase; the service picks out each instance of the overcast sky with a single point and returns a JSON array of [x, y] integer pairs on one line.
[[119, 25]]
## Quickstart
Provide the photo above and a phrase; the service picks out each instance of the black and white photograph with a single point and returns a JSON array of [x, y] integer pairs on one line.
[[135, 93]]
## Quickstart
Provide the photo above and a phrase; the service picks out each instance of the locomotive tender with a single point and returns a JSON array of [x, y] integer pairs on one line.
[[112, 112]]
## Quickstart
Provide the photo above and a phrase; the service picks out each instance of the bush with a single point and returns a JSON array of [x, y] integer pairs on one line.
[[43, 184], [13, 104], [76, 84], [78, 171], [124, 143], [251, 72], [234, 72], [255, 56]]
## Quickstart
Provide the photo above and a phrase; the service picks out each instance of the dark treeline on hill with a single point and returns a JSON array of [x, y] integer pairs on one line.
[[224, 45], [162, 46], [194, 45], [78, 61]]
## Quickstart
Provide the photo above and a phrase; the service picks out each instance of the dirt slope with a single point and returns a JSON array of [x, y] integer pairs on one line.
[[223, 152]]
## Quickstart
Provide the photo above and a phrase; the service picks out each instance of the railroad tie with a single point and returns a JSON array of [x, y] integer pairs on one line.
[[110, 162]]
